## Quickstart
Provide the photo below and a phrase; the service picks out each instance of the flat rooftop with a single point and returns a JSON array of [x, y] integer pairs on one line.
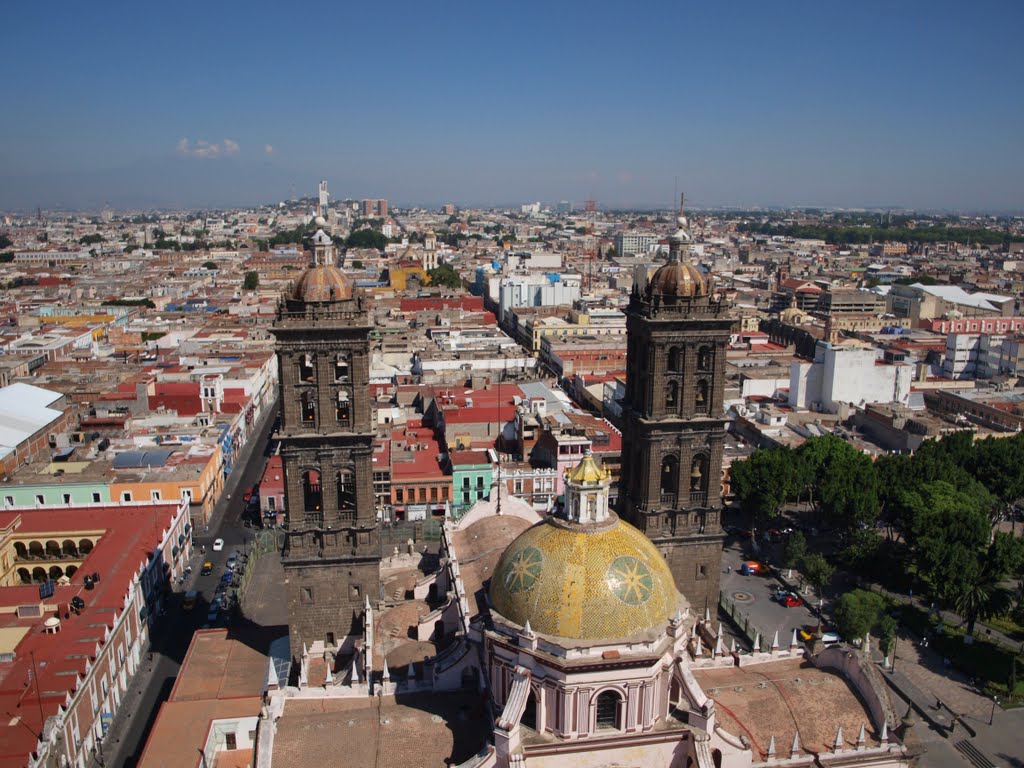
[[764, 700], [394, 732]]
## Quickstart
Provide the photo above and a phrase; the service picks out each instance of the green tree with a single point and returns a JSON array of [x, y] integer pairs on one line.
[[887, 627], [209, 265], [366, 238], [950, 530], [445, 275], [818, 571], [357, 264], [840, 480], [5, 242], [7, 257], [763, 482], [794, 549], [856, 612], [90, 239], [252, 281]]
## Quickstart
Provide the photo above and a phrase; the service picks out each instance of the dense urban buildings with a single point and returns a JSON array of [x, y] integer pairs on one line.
[[508, 440]]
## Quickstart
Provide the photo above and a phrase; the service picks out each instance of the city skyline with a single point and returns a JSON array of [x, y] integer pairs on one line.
[[892, 107]]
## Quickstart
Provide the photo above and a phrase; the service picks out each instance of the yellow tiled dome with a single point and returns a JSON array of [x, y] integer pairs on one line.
[[323, 282], [587, 471], [586, 582]]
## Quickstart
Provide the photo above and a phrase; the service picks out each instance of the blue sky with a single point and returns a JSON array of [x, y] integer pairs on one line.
[[903, 103]]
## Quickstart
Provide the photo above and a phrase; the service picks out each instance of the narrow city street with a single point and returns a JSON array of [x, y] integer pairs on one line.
[[172, 633]]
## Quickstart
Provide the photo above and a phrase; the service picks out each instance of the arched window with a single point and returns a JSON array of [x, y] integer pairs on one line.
[[672, 395], [669, 475], [312, 493], [71, 571], [39, 575], [70, 548], [608, 710], [701, 398], [308, 402], [52, 549], [56, 572], [25, 576], [85, 546], [341, 369], [344, 409], [592, 507], [674, 360], [35, 550], [529, 718], [704, 359], [576, 508], [307, 370], [699, 473], [20, 550], [346, 492]]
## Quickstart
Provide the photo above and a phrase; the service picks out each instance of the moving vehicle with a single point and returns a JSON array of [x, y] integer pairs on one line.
[[218, 545], [189, 602], [805, 634], [752, 568], [206, 570]]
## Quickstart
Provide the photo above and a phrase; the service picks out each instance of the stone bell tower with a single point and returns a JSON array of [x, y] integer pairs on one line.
[[331, 554], [673, 420]]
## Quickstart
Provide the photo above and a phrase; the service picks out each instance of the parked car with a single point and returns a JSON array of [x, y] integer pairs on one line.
[[752, 568], [213, 614], [831, 638], [792, 601], [232, 563], [189, 602], [226, 577], [780, 594], [206, 570], [805, 634], [218, 545]]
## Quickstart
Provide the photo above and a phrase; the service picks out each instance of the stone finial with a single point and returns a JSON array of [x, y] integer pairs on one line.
[[411, 672], [793, 641], [757, 643], [775, 641], [837, 745], [527, 629], [732, 646], [387, 673], [720, 645], [707, 615], [699, 649], [794, 749], [771, 747], [884, 736], [353, 673], [861, 738]]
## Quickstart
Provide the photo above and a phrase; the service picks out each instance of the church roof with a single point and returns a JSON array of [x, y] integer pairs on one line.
[[601, 581]]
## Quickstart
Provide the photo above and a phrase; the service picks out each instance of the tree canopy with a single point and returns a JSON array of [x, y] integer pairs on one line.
[[366, 238], [252, 281], [445, 275]]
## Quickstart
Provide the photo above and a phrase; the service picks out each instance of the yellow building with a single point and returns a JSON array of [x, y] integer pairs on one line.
[[197, 476]]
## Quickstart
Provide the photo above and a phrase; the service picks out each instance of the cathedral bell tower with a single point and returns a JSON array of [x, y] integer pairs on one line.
[[331, 554], [673, 420]]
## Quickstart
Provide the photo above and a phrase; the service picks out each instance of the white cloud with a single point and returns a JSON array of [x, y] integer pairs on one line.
[[207, 150], [269, 149]]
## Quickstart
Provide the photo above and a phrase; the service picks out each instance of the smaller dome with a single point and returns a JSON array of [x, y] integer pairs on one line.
[[586, 472], [679, 279], [322, 283]]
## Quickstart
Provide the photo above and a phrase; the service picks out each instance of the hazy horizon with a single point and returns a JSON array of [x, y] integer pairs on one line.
[[880, 105]]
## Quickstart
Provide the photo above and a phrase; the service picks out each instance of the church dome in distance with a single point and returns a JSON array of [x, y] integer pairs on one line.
[[322, 282], [602, 581], [679, 279]]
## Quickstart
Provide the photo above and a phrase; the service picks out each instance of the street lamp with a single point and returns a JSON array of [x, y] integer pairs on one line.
[[992, 714]]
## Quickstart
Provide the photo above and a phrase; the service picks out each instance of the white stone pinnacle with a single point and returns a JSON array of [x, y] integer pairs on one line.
[[837, 745], [794, 750], [884, 738], [775, 641], [861, 738]]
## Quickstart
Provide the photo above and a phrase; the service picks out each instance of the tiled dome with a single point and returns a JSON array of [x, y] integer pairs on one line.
[[322, 283], [679, 279], [586, 582]]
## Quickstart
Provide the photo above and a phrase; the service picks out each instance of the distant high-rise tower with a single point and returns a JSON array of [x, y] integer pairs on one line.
[[324, 197], [673, 420], [374, 209], [331, 554]]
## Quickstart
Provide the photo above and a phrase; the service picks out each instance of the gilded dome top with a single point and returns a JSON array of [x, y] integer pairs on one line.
[[679, 279], [587, 471], [586, 582], [322, 282]]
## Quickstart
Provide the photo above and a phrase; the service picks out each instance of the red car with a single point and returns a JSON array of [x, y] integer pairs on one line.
[[792, 601]]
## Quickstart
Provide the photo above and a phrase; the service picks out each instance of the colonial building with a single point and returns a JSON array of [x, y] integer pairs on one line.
[[673, 420], [332, 554]]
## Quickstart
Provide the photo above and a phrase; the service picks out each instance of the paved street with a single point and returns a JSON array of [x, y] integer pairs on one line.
[[173, 631]]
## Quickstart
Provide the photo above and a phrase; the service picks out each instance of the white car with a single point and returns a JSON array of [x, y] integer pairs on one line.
[[831, 638], [218, 545]]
